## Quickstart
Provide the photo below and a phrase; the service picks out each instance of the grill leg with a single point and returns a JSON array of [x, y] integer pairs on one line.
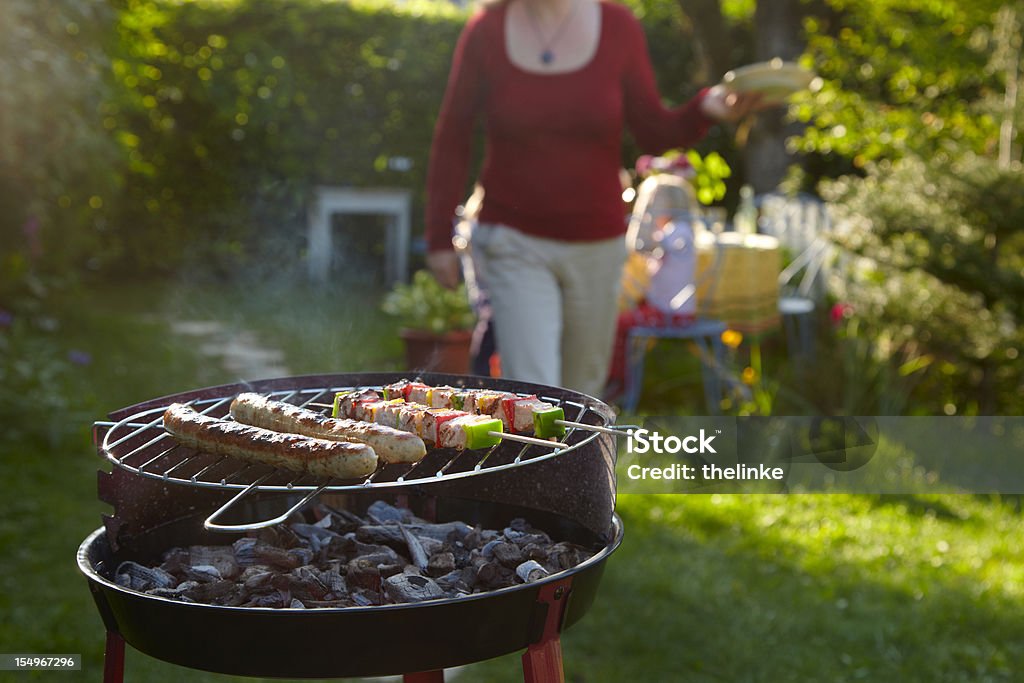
[[113, 658], [542, 662], [424, 677]]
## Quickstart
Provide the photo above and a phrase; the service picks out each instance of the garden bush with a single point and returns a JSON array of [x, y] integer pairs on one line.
[[942, 284], [229, 113], [55, 163], [141, 134]]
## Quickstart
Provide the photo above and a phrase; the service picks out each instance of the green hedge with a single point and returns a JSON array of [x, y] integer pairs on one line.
[[141, 134], [56, 164], [230, 112]]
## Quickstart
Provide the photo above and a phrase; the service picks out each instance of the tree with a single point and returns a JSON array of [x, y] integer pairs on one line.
[[919, 102], [899, 76], [724, 32]]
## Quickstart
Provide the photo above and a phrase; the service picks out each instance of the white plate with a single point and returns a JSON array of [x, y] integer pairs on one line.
[[776, 80]]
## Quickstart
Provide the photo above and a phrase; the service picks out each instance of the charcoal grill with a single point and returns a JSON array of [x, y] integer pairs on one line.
[[163, 494]]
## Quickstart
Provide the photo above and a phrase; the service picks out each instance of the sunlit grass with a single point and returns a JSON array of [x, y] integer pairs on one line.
[[803, 588], [709, 588]]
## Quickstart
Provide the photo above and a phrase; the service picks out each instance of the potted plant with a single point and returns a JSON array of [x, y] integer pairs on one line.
[[436, 324]]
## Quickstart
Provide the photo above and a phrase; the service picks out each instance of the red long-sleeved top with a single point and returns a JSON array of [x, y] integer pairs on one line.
[[553, 141]]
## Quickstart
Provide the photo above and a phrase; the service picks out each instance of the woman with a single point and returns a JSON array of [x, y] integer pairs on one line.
[[556, 82]]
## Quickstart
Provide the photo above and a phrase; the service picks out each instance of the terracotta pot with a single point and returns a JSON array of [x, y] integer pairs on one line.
[[430, 352]]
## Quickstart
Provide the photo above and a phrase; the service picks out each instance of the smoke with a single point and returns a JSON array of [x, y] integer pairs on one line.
[[252, 309]]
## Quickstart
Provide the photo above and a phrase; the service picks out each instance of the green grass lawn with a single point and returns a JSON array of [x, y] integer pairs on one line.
[[704, 588], [804, 588]]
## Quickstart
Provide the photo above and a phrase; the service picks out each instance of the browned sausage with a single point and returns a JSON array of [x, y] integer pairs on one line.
[[318, 457], [390, 445]]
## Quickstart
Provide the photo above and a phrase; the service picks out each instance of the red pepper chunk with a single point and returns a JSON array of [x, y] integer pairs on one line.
[[432, 421], [508, 413]]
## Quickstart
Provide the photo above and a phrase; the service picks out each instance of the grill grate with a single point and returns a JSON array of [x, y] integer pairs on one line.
[[140, 444]]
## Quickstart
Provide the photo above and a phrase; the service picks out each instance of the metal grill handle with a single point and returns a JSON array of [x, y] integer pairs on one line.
[[211, 525]]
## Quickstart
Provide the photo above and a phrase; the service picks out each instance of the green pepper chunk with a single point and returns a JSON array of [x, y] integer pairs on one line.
[[544, 426], [478, 435]]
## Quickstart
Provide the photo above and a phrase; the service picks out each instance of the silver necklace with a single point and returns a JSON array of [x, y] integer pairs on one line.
[[547, 55]]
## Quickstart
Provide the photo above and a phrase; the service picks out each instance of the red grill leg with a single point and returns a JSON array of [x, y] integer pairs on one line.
[[542, 661], [425, 677], [113, 658]]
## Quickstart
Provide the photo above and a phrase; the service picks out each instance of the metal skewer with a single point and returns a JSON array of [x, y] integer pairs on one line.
[[618, 430], [554, 445]]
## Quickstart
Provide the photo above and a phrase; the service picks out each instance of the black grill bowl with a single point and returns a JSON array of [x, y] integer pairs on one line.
[[339, 642], [578, 484]]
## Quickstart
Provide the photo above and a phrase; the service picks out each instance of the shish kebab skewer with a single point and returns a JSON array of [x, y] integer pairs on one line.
[[443, 427], [516, 412]]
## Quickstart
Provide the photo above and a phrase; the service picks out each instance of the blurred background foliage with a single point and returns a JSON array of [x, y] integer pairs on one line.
[[144, 137], [914, 140], [55, 163], [149, 148]]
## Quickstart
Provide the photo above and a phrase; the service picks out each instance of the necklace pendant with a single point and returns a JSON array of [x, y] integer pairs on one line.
[[547, 57]]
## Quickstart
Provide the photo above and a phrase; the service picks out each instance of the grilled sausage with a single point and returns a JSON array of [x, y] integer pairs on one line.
[[318, 457], [390, 445]]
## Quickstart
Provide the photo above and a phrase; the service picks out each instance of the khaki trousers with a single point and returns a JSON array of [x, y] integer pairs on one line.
[[554, 304]]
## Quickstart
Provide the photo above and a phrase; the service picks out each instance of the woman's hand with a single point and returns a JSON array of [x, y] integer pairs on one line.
[[445, 267], [722, 104]]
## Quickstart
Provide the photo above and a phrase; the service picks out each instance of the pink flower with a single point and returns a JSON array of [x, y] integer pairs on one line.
[[840, 312]]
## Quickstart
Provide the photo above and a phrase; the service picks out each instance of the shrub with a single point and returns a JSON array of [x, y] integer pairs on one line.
[[944, 275], [426, 305], [229, 113], [148, 133], [56, 182]]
